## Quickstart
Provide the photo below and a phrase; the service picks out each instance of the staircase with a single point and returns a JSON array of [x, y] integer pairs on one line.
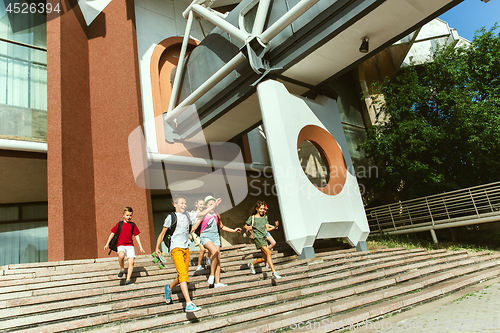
[[338, 287]]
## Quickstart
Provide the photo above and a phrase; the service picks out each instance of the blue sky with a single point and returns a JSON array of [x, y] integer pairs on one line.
[[470, 15]]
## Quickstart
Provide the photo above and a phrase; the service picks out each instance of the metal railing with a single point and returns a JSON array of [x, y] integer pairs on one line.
[[474, 205]]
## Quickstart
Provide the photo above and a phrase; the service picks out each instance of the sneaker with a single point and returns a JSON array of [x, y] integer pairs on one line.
[[120, 275], [252, 269], [220, 285], [128, 282], [208, 262], [168, 294], [211, 280], [199, 268], [190, 307], [276, 276]]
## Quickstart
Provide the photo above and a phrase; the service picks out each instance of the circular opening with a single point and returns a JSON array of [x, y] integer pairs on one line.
[[328, 168], [313, 163]]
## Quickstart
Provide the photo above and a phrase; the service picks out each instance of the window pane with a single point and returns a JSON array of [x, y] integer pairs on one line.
[[35, 212], [25, 242], [9, 213]]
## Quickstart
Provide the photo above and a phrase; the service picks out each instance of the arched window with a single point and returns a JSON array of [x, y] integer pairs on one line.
[[163, 61]]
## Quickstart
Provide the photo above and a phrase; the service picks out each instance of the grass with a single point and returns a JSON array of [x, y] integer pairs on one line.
[[471, 238]]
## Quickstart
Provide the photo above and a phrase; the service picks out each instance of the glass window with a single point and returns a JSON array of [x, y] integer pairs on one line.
[[23, 74], [9, 213], [34, 212], [23, 242]]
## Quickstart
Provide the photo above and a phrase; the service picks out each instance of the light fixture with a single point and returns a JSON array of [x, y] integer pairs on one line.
[[364, 45]]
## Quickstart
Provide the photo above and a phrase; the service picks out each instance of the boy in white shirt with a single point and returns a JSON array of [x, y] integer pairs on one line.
[[179, 247]]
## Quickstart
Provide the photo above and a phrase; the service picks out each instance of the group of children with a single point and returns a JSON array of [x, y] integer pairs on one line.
[[201, 226]]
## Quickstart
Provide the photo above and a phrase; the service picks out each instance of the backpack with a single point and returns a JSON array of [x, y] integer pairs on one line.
[[113, 243], [249, 233], [167, 239]]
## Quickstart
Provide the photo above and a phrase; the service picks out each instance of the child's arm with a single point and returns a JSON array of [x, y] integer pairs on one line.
[[195, 225], [248, 224], [209, 208], [160, 239], [270, 227], [230, 230], [139, 242], [109, 240]]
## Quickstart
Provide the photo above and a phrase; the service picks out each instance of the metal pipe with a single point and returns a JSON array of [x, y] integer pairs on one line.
[[221, 23], [260, 17], [196, 161], [211, 82], [180, 64], [286, 20], [188, 9], [36, 147]]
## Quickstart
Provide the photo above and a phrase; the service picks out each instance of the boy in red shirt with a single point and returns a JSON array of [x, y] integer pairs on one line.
[[125, 246]]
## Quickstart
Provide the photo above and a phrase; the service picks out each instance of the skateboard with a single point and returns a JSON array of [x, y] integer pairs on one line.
[[160, 260]]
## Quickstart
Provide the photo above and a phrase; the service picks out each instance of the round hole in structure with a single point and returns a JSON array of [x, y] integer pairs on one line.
[[328, 170], [313, 163]]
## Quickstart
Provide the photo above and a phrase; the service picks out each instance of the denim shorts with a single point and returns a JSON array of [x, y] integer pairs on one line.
[[267, 234], [210, 237]]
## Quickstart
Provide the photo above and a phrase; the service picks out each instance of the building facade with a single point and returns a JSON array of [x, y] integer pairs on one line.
[[76, 83]]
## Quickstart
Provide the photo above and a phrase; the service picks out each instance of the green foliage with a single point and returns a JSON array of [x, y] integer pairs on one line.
[[438, 128]]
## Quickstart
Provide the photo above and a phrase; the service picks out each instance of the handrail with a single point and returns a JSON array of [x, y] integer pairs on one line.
[[478, 204]]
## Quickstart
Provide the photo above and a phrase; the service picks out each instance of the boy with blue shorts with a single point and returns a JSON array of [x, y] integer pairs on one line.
[[179, 248]]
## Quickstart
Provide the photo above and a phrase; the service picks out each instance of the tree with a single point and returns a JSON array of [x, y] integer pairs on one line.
[[439, 126]]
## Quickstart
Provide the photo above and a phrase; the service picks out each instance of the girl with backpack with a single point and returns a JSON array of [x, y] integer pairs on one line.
[[209, 227], [259, 224]]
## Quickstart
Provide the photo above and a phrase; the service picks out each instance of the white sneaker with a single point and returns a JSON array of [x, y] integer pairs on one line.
[[276, 276], [211, 280], [252, 269], [199, 268], [208, 262], [220, 285]]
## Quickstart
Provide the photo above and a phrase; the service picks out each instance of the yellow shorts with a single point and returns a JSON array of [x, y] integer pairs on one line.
[[181, 261]]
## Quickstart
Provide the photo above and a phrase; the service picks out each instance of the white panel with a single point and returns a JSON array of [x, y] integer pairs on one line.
[[91, 9], [382, 24], [307, 212], [432, 29]]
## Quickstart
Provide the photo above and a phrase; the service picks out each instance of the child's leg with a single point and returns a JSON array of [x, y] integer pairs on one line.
[[121, 260], [261, 259], [202, 252], [271, 241], [130, 268], [174, 283], [185, 291], [217, 265], [266, 253], [181, 260], [214, 252]]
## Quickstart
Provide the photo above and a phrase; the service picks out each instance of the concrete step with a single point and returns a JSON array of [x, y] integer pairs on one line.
[[55, 308], [47, 291]]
